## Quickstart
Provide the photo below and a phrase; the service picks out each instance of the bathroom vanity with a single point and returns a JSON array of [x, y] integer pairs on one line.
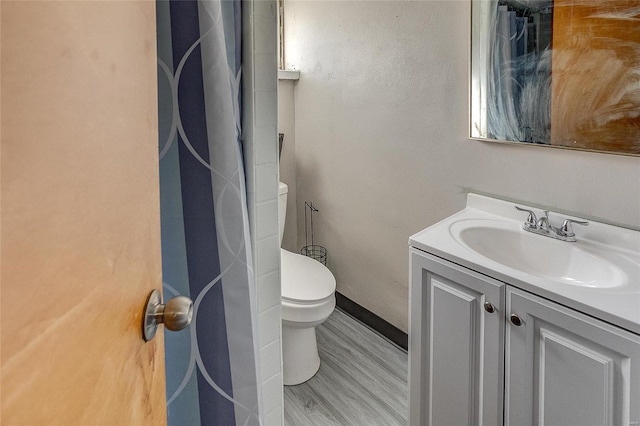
[[511, 327]]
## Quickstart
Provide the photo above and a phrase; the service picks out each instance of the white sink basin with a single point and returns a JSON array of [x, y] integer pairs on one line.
[[599, 274], [580, 263]]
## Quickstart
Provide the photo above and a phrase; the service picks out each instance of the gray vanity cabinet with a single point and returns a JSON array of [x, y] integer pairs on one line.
[[566, 368], [455, 344], [482, 352]]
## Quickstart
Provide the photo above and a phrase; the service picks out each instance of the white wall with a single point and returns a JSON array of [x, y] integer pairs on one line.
[[286, 125], [381, 147]]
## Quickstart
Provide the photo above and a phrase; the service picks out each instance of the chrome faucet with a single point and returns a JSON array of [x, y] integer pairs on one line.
[[543, 226], [543, 222]]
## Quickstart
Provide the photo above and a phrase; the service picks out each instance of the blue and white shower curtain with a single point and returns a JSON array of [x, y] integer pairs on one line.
[[519, 68], [212, 368]]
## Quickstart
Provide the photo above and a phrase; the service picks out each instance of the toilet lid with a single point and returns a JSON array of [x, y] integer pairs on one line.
[[305, 279]]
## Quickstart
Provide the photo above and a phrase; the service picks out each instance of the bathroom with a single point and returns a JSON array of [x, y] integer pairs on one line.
[[374, 106], [376, 135], [381, 146]]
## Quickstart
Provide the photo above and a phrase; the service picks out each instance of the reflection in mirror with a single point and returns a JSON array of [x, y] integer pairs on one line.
[[557, 72]]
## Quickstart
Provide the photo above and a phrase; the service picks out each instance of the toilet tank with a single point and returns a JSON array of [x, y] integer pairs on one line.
[[282, 207]]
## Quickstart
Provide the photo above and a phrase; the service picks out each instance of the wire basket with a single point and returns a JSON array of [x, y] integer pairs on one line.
[[312, 250], [315, 252]]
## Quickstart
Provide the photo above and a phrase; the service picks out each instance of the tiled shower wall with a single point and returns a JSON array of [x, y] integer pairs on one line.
[[261, 165]]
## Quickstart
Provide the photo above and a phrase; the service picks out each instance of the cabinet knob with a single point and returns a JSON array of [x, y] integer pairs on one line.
[[515, 320], [488, 306]]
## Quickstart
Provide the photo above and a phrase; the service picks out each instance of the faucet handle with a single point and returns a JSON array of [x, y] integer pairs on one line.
[[532, 220], [567, 230]]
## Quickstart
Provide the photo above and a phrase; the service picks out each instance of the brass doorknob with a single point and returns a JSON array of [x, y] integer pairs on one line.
[[176, 314]]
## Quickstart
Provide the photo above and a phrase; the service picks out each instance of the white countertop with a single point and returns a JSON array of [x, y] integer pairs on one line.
[[618, 305]]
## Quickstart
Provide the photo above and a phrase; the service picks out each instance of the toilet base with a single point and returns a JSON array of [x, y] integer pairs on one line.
[[300, 360]]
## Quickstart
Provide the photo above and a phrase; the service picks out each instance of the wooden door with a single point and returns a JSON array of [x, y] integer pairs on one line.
[[596, 55], [80, 214], [565, 368], [456, 345]]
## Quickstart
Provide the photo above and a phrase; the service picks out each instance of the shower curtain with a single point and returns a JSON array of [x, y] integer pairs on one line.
[[519, 73], [212, 367]]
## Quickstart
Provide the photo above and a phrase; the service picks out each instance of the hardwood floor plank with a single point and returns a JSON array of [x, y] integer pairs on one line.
[[362, 380]]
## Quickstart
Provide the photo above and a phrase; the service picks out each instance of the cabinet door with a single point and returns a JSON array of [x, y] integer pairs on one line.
[[565, 368], [455, 345]]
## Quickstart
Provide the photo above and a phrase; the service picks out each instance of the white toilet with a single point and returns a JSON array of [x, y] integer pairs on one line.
[[308, 298]]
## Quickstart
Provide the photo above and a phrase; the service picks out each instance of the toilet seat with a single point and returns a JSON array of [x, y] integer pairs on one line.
[[305, 280]]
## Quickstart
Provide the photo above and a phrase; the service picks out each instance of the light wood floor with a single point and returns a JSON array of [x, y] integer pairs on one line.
[[362, 380]]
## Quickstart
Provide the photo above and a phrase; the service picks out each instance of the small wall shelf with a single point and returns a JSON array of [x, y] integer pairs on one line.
[[288, 75]]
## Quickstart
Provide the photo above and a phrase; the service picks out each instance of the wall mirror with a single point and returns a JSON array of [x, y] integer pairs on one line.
[[562, 73]]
